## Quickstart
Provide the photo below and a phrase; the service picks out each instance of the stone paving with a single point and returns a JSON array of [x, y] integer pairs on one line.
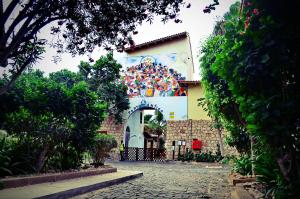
[[168, 180]]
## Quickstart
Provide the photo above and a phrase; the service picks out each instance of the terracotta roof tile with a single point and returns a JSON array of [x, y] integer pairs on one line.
[[156, 42], [188, 81]]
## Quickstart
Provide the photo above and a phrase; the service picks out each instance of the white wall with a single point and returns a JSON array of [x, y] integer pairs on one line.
[[166, 105], [136, 132]]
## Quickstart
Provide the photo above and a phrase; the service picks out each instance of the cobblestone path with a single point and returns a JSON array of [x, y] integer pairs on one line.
[[168, 180]]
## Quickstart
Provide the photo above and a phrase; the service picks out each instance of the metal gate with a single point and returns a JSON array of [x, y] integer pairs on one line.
[[141, 154]]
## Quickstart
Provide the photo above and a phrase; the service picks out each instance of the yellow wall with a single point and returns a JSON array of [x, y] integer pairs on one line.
[[196, 112], [184, 59]]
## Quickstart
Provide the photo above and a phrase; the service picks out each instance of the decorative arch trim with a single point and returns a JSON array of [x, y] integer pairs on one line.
[[144, 104]]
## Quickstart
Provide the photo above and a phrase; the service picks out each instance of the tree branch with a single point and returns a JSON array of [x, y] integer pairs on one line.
[[7, 12], [238, 114], [14, 77], [22, 15], [241, 9], [39, 27]]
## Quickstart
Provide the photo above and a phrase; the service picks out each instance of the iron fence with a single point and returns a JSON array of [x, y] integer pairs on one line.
[[141, 154]]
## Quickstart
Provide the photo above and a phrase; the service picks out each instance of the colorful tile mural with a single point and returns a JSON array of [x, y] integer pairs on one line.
[[150, 76]]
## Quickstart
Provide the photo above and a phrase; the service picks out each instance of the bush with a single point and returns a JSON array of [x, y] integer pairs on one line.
[[188, 156], [243, 165], [205, 157], [228, 159], [103, 144], [4, 156], [16, 157], [64, 157]]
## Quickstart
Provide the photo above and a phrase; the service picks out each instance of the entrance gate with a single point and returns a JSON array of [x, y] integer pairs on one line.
[[142, 154]]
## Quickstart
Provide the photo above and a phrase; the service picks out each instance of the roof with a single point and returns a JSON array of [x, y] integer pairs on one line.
[[188, 81], [157, 42]]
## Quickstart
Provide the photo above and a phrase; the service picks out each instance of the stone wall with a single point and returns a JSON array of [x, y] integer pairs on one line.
[[109, 126], [188, 130]]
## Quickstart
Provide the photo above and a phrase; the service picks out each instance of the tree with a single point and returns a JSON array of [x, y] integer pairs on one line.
[[147, 118], [103, 78], [57, 121], [58, 117], [158, 126], [81, 26], [211, 6], [258, 60]]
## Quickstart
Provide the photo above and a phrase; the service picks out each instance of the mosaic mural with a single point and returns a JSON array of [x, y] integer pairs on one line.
[[152, 76]]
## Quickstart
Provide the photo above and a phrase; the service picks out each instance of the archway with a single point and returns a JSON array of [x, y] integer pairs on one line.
[[138, 127], [127, 136], [143, 141]]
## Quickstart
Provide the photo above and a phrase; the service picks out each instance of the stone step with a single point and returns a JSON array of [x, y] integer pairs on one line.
[[13, 182], [69, 188]]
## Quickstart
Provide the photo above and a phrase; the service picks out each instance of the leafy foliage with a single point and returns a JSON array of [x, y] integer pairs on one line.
[[201, 157], [242, 165], [147, 118], [158, 125], [204, 157], [55, 119], [4, 156], [52, 118], [78, 27], [104, 143], [251, 75], [102, 78]]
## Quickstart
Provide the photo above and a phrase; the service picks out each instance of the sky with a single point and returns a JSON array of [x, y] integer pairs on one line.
[[199, 25]]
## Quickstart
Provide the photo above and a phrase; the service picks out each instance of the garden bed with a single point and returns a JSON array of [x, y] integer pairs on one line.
[[245, 187], [235, 178], [20, 181]]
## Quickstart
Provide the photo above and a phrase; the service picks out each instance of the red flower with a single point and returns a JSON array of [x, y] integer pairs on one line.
[[255, 11]]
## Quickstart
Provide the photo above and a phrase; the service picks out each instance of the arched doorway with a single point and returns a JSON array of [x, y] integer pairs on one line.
[[145, 134], [127, 136]]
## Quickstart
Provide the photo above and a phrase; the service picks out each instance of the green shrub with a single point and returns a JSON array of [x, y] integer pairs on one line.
[[181, 157], [64, 157], [15, 156], [205, 157], [188, 156], [243, 165], [4, 157], [103, 144], [228, 159]]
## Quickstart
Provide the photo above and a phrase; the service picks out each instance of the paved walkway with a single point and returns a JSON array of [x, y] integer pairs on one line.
[[67, 188], [168, 180]]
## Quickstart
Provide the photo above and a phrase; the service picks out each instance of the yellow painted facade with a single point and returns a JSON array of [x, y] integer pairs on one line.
[[196, 112], [184, 60]]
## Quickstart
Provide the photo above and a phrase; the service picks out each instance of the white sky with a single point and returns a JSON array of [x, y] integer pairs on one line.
[[198, 24]]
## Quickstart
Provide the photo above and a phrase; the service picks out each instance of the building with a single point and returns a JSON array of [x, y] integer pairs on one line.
[[159, 75]]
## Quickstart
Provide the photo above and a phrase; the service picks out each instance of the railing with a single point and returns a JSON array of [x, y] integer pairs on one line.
[[151, 154]]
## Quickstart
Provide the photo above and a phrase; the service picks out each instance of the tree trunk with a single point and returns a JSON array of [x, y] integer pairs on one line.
[[219, 134], [252, 155], [286, 162], [41, 159]]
